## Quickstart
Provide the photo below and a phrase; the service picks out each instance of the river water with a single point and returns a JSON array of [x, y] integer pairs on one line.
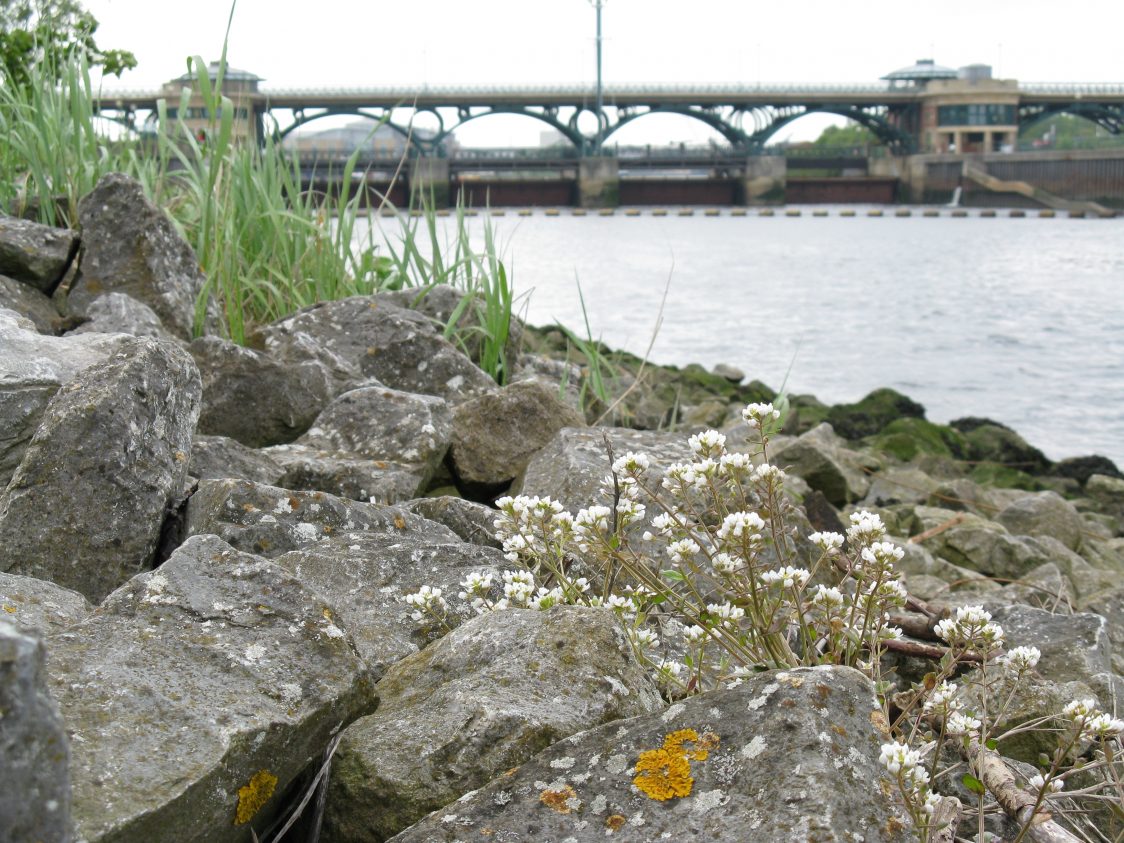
[[1017, 319]]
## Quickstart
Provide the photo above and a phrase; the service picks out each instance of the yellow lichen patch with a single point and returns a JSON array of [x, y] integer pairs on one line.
[[615, 822], [665, 773], [255, 794], [11, 610], [561, 800]]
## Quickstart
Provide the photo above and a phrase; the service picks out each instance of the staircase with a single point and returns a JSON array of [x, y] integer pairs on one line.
[[974, 171]]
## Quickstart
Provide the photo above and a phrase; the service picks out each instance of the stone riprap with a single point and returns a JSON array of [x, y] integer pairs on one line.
[[203, 695]]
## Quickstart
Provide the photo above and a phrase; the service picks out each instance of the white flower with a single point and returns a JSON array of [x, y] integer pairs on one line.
[[646, 639], [866, 527], [942, 700], [738, 524], [682, 550], [1038, 783], [427, 600], [898, 757], [726, 612], [631, 463], [827, 598], [709, 443], [880, 557], [694, 634], [664, 524], [725, 564], [1080, 710], [755, 414], [1020, 659], [1102, 726], [767, 473], [544, 599], [959, 723], [787, 576], [734, 465], [829, 543]]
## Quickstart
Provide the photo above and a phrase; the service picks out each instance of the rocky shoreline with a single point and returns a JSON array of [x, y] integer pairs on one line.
[[205, 550]]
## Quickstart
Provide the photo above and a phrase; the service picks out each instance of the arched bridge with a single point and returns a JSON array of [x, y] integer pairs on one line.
[[746, 116]]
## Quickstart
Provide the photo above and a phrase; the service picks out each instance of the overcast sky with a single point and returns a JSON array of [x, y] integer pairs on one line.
[[349, 43]]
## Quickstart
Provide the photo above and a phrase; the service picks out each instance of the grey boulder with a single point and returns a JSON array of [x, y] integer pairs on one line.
[[346, 475], [40, 606], [117, 313], [197, 693], [219, 457], [788, 755], [821, 458], [35, 797], [496, 434], [1044, 514], [269, 521], [131, 246], [482, 700], [86, 506], [400, 348], [34, 254], [29, 303]]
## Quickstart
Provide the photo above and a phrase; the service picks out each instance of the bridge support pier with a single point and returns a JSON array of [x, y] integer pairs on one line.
[[429, 181], [598, 182], [764, 180]]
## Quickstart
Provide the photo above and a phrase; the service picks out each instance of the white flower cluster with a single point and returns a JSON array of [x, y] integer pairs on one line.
[[531, 525], [786, 577], [866, 528], [1039, 783], [905, 763], [972, 628], [757, 415], [1019, 660], [427, 601], [1091, 723], [829, 543]]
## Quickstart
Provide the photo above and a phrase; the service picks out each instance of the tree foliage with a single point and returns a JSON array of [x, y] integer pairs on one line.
[[47, 33], [851, 134]]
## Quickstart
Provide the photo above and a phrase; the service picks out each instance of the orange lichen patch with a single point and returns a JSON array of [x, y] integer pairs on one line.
[[615, 822], [559, 800], [294, 502], [878, 719], [248, 507], [399, 522], [665, 773], [254, 795]]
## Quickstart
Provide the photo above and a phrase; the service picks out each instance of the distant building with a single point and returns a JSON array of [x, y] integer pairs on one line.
[[962, 110], [378, 141], [240, 86]]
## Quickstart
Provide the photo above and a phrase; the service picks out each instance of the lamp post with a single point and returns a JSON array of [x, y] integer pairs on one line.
[[597, 4]]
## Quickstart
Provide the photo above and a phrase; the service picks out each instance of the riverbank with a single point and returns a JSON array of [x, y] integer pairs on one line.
[[229, 573]]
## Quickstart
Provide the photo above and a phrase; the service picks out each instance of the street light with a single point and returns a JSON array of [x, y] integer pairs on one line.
[[597, 4]]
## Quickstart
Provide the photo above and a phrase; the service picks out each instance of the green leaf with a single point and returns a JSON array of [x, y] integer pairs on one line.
[[674, 576], [973, 784], [991, 743]]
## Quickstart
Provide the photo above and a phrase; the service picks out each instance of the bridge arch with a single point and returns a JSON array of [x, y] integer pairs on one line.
[[301, 119], [895, 138], [727, 129], [568, 129], [1106, 116]]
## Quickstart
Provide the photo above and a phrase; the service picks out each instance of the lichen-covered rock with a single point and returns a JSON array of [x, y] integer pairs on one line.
[[1082, 468], [400, 348], [377, 423], [117, 313], [34, 254], [367, 574], [1108, 492], [1074, 647], [574, 464], [994, 442], [131, 246], [870, 415], [32, 368], [270, 521], [1109, 604], [35, 797], [482, 700], [87, 503], [253, 398], [819, 457], [40, 606], [219, 457], [1044, 514], [899, 484], [29, 303], [473, 522], [197, 693], [346, 475], [496, 434], [787, 755]]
